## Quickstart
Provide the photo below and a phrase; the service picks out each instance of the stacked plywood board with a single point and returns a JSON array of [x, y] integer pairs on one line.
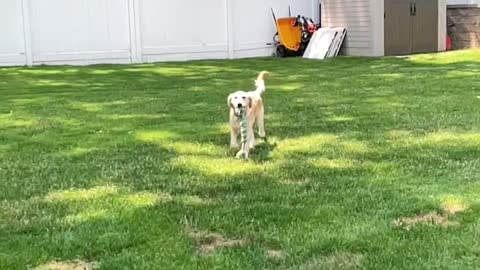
[[325, 43]]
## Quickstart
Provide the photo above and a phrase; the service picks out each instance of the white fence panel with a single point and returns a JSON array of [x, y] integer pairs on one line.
[[72, 31], [131, 31], [183, 29], [12, 42]]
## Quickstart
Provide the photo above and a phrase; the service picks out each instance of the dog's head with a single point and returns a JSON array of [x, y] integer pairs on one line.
[[239, 100]]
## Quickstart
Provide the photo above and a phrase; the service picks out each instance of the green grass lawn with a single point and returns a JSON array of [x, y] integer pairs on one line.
[[369, 164]]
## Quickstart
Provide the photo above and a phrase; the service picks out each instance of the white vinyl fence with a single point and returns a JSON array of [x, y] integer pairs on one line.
[[34, 32]]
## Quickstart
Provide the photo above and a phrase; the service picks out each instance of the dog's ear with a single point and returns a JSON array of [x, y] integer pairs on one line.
[[229, 101]]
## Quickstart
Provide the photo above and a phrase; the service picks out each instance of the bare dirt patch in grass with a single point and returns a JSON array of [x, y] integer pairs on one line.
[[68, 265], [335, 261], [453, 207], [208, 242], [276, 254], [432, 218]]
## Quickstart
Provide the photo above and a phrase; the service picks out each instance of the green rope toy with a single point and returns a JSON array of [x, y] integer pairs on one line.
[[243, 132]]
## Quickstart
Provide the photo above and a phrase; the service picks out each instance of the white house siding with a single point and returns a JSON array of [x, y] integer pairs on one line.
[[463, 2], [358, 16], [37, 32]]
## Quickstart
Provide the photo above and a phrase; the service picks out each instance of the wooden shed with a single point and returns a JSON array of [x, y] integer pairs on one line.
[[388, 27]]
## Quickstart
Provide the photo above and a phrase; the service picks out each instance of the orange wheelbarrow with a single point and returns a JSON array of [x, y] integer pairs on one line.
[[293, 34]]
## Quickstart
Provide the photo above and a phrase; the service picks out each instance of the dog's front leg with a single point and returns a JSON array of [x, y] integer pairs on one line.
[[234, 132], [246, 152], [250, 137], [261, 123]]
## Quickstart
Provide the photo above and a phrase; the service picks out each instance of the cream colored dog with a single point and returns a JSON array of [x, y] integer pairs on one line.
[[253, 104]]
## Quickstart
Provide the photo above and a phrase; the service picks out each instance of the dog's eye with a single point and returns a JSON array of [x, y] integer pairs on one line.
[[235, 97], [243, 97]]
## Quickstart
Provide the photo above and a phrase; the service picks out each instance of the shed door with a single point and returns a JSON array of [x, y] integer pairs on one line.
[[425, 26], [398, 27]]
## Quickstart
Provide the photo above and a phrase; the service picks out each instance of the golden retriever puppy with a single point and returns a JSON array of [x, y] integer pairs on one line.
[[252, 103]]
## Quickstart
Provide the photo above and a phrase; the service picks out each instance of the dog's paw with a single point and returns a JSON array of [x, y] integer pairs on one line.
[[240, 154], [233, 145]]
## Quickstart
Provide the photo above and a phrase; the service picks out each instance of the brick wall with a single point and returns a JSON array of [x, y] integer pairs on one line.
[[464, 27]]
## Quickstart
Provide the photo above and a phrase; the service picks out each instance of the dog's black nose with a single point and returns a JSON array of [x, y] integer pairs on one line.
[[239, 105]]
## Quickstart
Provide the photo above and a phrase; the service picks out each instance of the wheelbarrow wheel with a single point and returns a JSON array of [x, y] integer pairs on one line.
[[306, 37], [281, 51]]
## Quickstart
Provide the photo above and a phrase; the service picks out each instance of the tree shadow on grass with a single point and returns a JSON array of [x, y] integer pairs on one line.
[[308, 208], [121, 221], [327, 210], [161, 86], [330, 180]]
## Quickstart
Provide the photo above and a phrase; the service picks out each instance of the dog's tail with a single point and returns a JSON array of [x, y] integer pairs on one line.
[[260, 82]]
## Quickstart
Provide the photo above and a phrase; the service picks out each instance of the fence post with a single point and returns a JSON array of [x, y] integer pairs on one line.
[[27, 35], [230, 29], [134, 31]]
